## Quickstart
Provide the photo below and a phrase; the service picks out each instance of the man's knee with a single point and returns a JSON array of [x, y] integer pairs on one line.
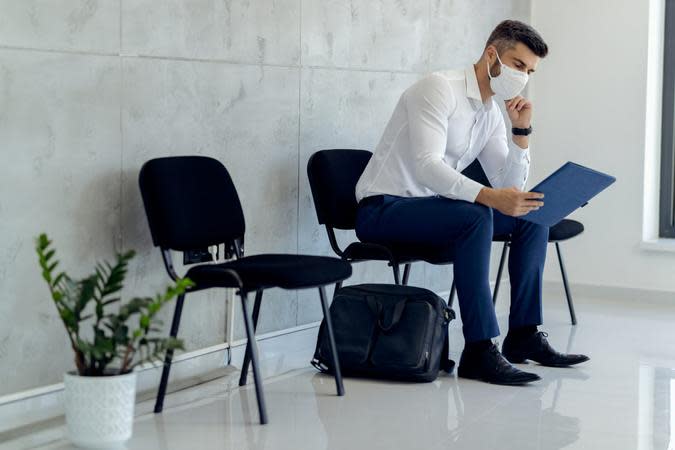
[[480, 214], [532, 227]]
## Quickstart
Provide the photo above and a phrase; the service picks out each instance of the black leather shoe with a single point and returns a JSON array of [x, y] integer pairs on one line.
[[536, 348], [490, 366]]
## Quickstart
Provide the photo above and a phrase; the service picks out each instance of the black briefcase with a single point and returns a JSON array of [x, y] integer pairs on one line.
[[387, 331]]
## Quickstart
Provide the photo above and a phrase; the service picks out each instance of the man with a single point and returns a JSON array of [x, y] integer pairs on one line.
[[412, 192]]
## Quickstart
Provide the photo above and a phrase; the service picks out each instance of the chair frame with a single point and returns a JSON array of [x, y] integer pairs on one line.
[[395, 265], [392, 261], [563, 272], [251, 355]]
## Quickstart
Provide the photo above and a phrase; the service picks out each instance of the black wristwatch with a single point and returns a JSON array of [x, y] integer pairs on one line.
[[522, 131]]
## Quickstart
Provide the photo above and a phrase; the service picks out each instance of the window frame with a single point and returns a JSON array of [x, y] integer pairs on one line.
[[667, 182]]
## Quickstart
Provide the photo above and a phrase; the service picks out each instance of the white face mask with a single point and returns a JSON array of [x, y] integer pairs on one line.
[[509, 83]]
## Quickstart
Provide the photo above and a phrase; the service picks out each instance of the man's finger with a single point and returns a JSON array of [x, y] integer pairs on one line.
[[532, 203], [532, 195], [513, 103], [523, 211]]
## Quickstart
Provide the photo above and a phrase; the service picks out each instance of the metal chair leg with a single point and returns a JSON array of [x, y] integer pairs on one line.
[[159, 402], [331, 340], [338, 285], [453, 290], [505, 251], [568, 293], [259, 393], [397, 273], [247, 356], [406, 274]]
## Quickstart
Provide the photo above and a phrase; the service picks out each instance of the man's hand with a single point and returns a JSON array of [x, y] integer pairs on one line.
[[510, 201], [520, 111]]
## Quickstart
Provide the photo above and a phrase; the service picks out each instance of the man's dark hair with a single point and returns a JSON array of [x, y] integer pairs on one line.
[[509, 32]]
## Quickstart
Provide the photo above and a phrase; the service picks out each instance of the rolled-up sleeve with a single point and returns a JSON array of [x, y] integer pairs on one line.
[[504, 163], [430, 104]]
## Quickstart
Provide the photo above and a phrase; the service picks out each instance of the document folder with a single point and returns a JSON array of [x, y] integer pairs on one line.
[[568, 188]]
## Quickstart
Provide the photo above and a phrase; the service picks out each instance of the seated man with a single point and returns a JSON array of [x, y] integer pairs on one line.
[[412, 192]]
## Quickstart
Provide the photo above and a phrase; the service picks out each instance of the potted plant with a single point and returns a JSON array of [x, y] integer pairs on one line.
[[109, 338]]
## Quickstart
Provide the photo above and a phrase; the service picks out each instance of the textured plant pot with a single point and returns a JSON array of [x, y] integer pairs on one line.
[[100, 410]]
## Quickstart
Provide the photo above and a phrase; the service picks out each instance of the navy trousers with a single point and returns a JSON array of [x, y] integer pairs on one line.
[[465, 230]]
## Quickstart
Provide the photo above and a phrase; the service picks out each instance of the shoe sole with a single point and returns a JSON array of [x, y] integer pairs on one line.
[[500, 383], [524, 361], [562, 365]]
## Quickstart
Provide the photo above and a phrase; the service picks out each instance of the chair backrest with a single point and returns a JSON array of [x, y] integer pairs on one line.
[[476, 173], [190, 202], [333, 175]]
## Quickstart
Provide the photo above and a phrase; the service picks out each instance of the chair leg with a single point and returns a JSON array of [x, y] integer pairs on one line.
[[247, 356], [406, 274], [505, 251], [453, 291], [159, 402], [338, 285], [568, 293], [250, 335], [397, 273], [331, 340]]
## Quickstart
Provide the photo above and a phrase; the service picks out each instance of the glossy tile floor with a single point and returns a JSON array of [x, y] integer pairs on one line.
[[623, 399]]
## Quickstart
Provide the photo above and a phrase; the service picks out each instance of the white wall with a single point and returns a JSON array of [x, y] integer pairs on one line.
[[590, 98]]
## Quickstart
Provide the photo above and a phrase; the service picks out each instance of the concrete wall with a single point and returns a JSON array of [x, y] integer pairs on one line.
[[90, 89], [593, 100]]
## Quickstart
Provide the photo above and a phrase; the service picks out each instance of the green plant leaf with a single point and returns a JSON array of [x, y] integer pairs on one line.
[[113, 338], [111, 301], [58, 279], [49, 254]]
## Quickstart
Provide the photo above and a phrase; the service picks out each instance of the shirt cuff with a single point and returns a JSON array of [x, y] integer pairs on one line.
[[518, 155], [468, 189]]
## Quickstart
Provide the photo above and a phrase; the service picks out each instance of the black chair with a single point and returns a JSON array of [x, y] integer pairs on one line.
[[562, 231], [333, 175], [192, 204]]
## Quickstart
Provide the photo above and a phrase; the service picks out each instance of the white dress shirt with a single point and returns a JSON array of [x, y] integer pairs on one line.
[[440, 126]]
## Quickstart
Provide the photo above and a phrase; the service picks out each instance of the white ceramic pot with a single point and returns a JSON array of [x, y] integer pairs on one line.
[[100, 410]]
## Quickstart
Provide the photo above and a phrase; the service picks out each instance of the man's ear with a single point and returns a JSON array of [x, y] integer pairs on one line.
[[491, 54]]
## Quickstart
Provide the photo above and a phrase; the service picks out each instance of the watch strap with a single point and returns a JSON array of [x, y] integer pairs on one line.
[[522, 131]]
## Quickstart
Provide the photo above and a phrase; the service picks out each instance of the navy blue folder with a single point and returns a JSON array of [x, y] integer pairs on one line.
[[565, 190]]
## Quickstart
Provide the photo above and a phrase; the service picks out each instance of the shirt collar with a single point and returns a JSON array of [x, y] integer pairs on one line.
[[472, 89]]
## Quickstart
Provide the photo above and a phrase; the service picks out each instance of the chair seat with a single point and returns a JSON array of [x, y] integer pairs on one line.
[[272, 270], [402, 254], [563, 230]]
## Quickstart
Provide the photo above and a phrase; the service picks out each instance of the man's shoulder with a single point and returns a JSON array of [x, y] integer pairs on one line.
[[451, 74], [448, 82]]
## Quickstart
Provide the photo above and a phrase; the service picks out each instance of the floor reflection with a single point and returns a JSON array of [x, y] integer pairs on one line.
[[623, 399], [656, 418]]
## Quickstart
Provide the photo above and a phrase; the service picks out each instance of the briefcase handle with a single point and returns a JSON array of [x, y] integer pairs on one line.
[[376, 307]]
